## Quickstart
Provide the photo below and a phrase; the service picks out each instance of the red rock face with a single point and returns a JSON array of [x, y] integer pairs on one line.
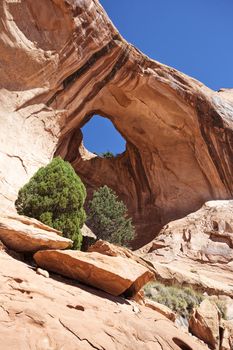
[[64, 62], [56, 313], [196, 250]]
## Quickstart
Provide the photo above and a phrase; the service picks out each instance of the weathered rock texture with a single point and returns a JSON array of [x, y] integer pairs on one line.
[[54, 313], [160, 308], [61, 61], [23, 234], [115, 275], [109, 249], [197, 250], [205, 324], [227, 337]]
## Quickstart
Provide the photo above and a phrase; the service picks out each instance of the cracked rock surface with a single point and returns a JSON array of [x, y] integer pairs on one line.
[[38, 313]]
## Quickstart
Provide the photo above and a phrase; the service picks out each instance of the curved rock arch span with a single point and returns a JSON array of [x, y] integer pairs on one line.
[[73, 63]]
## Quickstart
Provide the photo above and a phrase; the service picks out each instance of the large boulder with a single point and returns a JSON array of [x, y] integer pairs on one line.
[[71, 62], [115, 275], [205, 324], [23, 234]]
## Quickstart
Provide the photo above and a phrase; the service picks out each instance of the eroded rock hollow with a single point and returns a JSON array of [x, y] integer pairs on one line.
[[62, 61]]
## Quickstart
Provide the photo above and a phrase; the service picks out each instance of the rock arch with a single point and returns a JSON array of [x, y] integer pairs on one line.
[[178, 132]]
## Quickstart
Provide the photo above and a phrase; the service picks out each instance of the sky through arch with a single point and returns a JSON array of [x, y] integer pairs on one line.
[[193, 36], [100, 136]]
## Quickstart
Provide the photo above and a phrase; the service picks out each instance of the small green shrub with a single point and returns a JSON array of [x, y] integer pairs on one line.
[[107, 217], [55, 195], [107, 154], [180, 300]]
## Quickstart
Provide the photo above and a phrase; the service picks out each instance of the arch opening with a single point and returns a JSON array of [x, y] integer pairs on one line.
[[102, 138], [124, 172]]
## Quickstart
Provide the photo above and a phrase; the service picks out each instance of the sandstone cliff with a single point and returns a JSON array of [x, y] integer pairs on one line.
[[62, 61]]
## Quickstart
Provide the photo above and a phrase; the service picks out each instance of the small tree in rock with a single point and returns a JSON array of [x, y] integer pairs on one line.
[[55, 195], [107, 154], [107, 217]]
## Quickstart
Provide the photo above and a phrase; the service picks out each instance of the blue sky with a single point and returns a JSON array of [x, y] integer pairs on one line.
[[194, 36]]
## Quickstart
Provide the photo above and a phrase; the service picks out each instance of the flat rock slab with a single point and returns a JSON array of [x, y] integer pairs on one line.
[[114, 275], [24, 234]]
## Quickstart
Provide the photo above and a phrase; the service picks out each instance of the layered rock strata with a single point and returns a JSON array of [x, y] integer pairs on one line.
[[72, 63]]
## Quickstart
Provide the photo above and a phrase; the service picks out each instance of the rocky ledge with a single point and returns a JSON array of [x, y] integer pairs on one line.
[[46, 311]]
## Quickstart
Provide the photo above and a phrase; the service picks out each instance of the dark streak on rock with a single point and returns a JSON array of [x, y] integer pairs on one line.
[[211, 123], [20, 159], [90, 62], [101, 84], [87, 65], [73, 141], [79, 338], [138, 174]]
